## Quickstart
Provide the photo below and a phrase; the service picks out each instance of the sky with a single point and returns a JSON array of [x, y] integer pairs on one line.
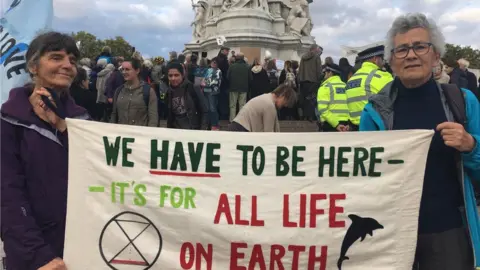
[[156, 27]]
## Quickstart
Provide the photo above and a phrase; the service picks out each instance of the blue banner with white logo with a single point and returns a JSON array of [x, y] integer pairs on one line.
[[23, 20]]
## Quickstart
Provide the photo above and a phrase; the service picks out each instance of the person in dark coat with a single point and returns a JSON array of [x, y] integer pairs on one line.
[[83, 96], [347, 69], [457, 75], [115, 80], [187, 108], [34, 150], [471, 78], [260, 82], [223, 98]]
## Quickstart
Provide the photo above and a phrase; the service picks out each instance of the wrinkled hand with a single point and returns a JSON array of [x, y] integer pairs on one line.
[[55, 264], [42, 110], [455, 135]]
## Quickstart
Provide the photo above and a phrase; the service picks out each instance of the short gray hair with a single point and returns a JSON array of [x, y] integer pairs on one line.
[[463, 62], [102, 62], [407, 22]]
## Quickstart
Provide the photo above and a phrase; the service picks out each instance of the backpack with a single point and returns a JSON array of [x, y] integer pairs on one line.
[[456, 102], [146, 97], [273, 80]]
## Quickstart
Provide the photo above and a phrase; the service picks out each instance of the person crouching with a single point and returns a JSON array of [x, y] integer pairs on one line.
[[260, 114]]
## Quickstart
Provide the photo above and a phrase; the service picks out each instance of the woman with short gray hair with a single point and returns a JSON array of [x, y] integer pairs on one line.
[[414, 100]]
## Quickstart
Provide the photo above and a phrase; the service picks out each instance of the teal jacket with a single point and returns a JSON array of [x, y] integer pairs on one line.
[[378, 114]]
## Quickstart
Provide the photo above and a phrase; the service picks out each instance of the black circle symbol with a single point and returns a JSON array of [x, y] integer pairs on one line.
[[130, 241]]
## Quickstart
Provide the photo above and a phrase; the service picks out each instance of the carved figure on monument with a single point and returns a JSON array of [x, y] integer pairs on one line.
[[227, 4], [240, 3], [261, 4], [299, 21], [200, 19]]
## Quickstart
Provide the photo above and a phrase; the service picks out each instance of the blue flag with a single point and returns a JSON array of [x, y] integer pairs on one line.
[[22, 21]]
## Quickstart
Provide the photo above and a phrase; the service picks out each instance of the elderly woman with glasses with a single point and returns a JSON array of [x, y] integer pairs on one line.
[[448, 226]]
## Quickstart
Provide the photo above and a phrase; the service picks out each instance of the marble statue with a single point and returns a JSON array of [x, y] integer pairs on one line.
[[299, 21], [261, 4], [200, 19]]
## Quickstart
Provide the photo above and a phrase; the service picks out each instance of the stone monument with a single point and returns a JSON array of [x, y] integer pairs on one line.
[[282, 27]]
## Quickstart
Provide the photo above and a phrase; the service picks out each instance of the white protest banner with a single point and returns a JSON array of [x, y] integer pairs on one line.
[[16, 33], [152, 198]]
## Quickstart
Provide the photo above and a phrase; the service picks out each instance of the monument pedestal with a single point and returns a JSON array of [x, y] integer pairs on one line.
[[252, 31]]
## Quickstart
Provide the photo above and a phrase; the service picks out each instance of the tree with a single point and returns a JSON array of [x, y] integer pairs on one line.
[[455, 52], [91, 46]]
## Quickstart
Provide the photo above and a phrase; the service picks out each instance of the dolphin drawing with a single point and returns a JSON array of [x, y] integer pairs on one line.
[[359, 228]]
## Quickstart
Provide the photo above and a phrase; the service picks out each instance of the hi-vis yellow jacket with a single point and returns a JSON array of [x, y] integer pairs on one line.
[[367, 81], [332, 101]]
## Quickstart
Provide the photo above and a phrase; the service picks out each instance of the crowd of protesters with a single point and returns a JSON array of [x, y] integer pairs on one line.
[[193, 93]]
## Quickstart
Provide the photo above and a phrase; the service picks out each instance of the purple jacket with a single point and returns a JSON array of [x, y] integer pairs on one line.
[[34, 182]]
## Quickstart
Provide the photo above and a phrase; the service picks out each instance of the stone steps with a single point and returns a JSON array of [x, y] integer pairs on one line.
[[285, 126]]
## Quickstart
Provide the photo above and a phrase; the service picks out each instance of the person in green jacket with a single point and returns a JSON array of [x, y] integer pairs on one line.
[[240, 78]]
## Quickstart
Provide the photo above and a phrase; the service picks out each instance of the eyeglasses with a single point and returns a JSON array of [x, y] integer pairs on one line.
[[420, 48]]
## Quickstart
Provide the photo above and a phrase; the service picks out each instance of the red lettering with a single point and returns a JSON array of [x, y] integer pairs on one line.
[[276, 254], [187, 246], [195, 255], [311, 261], [257, 258], [286, 213], [296, 254], [303, 210], [255, 221], [322, 259], [207, 255], [314, 211], [223, 208], [334, 210], [235, 255], [238, 205]]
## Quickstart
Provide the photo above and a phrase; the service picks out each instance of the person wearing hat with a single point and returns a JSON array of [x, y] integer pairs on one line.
[[367, 81], [332, 101], [185, 102]]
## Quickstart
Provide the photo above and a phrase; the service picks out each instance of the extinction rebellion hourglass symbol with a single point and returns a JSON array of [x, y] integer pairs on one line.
[[130, 241]]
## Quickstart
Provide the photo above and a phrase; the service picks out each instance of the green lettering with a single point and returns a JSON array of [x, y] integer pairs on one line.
[[140, 199], [111, 150], [176, 201], [258, 168], [297, 159], [164, 194], [195, 154], [127, 151], [360, 155], [122, 186], [178, 158], [245, 149], [374, 160], [212, 157], [189, 196], [282, 166], [341, 160], [323, 161], [162, 154]]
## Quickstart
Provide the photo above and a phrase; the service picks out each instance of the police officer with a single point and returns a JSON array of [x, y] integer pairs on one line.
[[332, 101], [367, 81]]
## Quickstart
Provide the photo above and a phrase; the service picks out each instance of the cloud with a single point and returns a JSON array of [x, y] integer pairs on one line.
[[157, 26]]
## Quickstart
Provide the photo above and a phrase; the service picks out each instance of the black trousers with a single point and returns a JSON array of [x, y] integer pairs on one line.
[[449, 250], [236, 127]]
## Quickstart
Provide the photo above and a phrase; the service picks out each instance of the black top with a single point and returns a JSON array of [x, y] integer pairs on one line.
[[421, 108]]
